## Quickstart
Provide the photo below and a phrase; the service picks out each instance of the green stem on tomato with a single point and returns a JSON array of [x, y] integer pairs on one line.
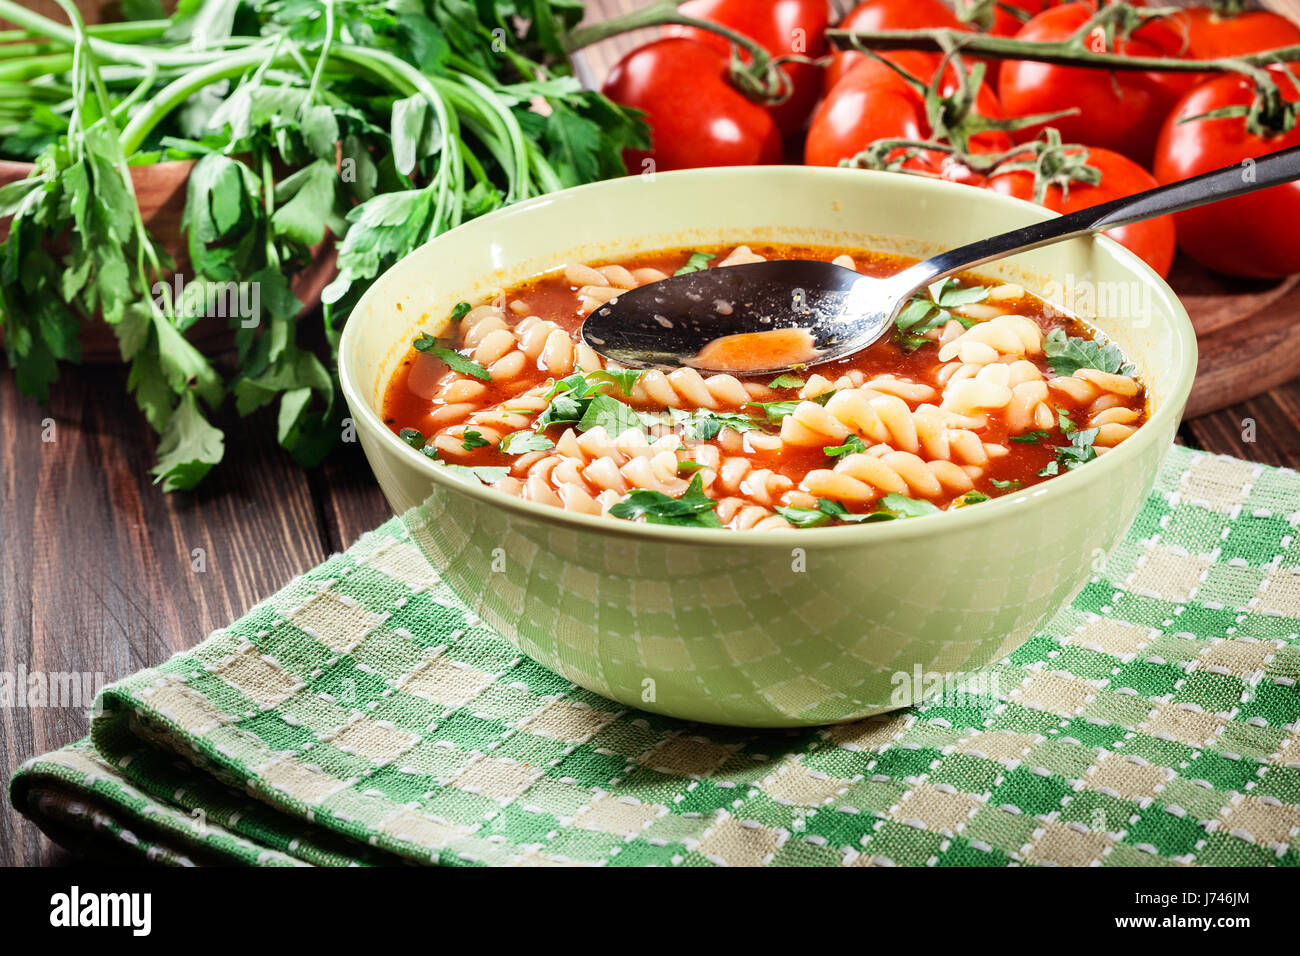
[[1058, 52]]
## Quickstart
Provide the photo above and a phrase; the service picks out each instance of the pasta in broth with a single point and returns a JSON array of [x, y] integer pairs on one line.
[[981, 390]]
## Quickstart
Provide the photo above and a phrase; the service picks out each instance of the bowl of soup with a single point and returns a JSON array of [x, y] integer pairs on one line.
[[766, 550]]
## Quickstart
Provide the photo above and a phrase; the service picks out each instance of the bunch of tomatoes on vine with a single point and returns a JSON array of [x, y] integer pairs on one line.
[[1067, 104]]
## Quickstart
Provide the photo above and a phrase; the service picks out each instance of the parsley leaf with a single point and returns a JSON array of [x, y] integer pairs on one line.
[[694, 508], [521, 442], [786, 381], [471, 440], [697, 261], [459, 312], [704, 425], [1029, 438], [624, 378], [412, 436], [451, 358], [1067, 354], [931, 310], [1080, 449], [1064, 422], [852, 445], [903, 507], [610, 414], [804, 517], [892, 507], [1012, 483], [776, 411], [189, 447]]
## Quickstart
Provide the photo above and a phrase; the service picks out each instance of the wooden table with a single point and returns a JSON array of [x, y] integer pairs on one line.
[[102, 573]]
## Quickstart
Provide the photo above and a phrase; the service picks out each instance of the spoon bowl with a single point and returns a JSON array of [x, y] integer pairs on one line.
[[674, 322]]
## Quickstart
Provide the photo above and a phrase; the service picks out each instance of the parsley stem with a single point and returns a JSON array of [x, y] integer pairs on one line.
[[324, 56], [180, 89], [106, 49]]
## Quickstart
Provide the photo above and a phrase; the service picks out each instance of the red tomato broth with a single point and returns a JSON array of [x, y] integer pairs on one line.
[[551, 297]]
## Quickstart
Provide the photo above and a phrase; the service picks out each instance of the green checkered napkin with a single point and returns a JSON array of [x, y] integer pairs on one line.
[[362, 715]]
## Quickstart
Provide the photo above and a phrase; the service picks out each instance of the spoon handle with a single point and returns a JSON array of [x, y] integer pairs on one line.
[[1271, 170]]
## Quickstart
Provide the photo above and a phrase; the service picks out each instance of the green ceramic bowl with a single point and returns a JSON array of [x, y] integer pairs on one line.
[[784, 628]]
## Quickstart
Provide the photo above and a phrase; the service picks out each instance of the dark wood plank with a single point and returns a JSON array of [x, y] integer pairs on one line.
[[99, 574], [349, 501], [1264, 429]]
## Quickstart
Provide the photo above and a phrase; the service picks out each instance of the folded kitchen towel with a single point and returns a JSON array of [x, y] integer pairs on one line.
[[362, 715]]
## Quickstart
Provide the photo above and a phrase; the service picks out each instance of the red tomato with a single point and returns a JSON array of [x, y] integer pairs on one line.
[[696, 117], [887, 15], [783, 28], [873, 102], [1152, 240], [1118, 110], [1210, 36], [1253, 235]]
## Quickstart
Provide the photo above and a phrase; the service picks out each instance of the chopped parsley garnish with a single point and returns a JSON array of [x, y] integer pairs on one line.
[[688, 467], [922, 313], [806, 517], [521, 442], [450, 357], [892, 506], [1067, 354], [974, 497], [776, 411], [586, 384], [1029, 438], [693, 509], [460, 310], [697, 261], [704, 425], [471, 440], [1078, 452], [786, 381], [852, 446], [903, 507], [608, 413], [1063, 421], [1013, 483], [571, 397], [412, 436], [624, 378]]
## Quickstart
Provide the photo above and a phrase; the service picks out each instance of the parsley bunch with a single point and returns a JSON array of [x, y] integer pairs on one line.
[[376, 124]]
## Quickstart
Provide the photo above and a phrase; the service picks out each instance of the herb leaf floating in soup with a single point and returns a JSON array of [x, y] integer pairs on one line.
[[981, 392]]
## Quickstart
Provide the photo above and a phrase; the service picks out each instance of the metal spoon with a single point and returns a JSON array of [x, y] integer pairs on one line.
[[670, 323]]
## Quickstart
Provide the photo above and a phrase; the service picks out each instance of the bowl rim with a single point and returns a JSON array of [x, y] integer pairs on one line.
[[857, 535]]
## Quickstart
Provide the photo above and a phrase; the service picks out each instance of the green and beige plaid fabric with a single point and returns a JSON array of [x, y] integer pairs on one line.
[[362, 716]]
